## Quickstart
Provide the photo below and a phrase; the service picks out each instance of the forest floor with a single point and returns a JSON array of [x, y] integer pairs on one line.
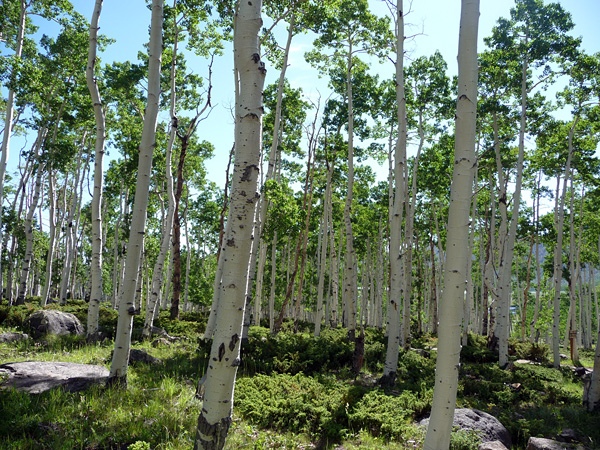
[[294, 391]]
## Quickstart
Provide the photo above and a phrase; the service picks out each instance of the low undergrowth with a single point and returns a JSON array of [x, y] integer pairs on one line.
[[294, 391]]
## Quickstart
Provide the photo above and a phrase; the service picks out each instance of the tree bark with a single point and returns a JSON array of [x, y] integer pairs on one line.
[[28, 257], [215, 418], [120, 360], [396, 294], [448, 360], [96, 293], [8, 126]]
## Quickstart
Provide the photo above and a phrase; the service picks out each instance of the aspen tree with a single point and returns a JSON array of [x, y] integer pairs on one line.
[[534, 36], [97, 242], [8, 121], [120, 360], [26, 264], [157, 274], [457, 249], [396, 293], [215, 418]]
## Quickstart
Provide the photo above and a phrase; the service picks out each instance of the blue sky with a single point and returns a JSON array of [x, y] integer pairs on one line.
[[434, 23]]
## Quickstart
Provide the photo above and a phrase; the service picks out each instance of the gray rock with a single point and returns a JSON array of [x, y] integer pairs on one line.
[[40, 376], [50, 321], [535, 443], [13, 337], [568, 435], [488, 427], [492, 445], [140, 356], [160, 332]]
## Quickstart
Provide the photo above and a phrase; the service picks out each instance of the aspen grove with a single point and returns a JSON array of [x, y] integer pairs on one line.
[[381, 192]]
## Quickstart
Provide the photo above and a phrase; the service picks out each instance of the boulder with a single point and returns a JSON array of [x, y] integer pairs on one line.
[[40, 376], [492, 445], [50, 321], [488, 427], [13, 337], [536, 443], [140, 356]]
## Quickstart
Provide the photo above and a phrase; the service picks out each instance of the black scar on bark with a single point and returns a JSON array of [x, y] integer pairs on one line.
[[246, 176], [221, 351], [216, 434], [234, 340]]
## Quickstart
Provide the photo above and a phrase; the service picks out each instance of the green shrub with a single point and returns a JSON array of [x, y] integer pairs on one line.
[[388, 415], [294, 403], [477, 350], [15, 316], [294, 353], [531, 351], [414, 371], [375, 349]]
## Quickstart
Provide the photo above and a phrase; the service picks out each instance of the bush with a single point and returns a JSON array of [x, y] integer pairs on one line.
[[477, 350], [387, 415], [414, 371], [531, 351], [295, 403], [15, 316], [295, 353]]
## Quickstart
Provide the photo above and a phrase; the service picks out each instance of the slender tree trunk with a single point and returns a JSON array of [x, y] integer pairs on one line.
[[504, 286], [118, 249], [533, 333], [8, 124], [396, 295], [434, 289], [53, 234], [558, 263], [308, 209], [380, 276], [323, 252], [448, 360], [96, 293], [350, 276], [176, 276], [468, 315], [306, 206], [574, 281], [165, 245], [212, 318], [215, 418], [335, 278], [526, 289], [27, 259], [271, 169], [120, 360], [70, 229]]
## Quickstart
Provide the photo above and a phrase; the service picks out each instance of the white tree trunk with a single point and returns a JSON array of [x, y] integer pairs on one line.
[[271, 170], [53, 234], [335, 279], [350, 276], [96, 293], [215, 418], [28, 257], [457, 250], [165, 245], [273, 280], [559, 213], [120, 360], [8, 125], [323, 254], [396, 294], [573, 330], [70, 241]]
